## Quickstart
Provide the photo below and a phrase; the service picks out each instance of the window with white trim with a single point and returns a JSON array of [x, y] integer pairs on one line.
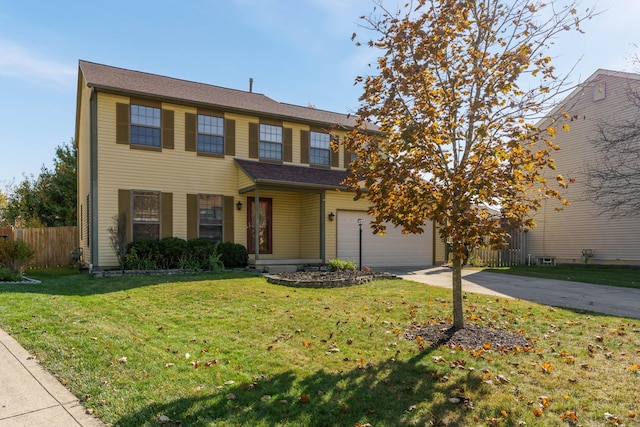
[[319, 148], [210, 134], [210, 217], [146, 215], [145, 126], [270, 142]]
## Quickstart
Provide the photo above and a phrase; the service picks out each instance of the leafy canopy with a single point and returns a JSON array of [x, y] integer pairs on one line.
[[457, 88], [51, 199]]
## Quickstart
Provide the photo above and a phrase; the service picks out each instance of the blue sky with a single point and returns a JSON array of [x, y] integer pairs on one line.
[[297, 51]]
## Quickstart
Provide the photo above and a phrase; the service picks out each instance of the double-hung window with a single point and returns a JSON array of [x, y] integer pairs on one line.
[[210, 217], [270, 142], [145, 126], [320, 149], [210, 134], [146, 215]]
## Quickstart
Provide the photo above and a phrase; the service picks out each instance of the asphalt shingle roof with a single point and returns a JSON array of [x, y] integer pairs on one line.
[[118, 80], [273, 173]]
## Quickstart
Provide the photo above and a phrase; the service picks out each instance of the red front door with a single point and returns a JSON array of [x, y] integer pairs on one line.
[[264, 226]]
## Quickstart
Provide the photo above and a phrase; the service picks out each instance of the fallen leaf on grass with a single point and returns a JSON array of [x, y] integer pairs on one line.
[[305, 398]]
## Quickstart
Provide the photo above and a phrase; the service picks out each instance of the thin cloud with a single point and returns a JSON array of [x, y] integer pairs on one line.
[[17, 61]]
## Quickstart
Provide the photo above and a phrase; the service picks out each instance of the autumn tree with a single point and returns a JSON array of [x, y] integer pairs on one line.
[[457, 89]]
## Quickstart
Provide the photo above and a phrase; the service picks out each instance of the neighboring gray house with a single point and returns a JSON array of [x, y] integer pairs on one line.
[[580, 232]]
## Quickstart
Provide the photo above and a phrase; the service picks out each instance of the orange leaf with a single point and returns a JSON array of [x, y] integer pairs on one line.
[[634, 367], [537, 412], [546, 367], [305, 398]]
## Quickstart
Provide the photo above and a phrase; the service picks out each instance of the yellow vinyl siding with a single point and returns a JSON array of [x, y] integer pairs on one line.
[[310, 225], [171, 170], [579, 226]]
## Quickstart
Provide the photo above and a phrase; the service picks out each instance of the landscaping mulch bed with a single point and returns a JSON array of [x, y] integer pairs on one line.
[[471, 337], [326, 279]]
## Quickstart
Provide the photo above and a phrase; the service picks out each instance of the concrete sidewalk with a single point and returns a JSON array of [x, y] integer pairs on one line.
[[624, 302], [32, 397]]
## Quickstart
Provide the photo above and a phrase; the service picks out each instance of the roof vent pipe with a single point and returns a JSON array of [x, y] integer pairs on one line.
[[250, 84]]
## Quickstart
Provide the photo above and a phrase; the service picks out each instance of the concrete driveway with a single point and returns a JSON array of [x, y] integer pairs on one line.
[[624, 302]]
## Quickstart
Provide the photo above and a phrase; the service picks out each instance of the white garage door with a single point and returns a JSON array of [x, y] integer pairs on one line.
[[391, 250]]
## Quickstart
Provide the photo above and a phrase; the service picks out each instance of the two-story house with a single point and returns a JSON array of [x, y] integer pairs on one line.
[[186, 159]]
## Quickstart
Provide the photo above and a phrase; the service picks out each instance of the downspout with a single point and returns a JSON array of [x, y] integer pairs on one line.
[[323, 228]]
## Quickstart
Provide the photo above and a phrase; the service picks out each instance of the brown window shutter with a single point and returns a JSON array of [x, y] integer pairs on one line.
[[287, 145], [192, 216], [190, 131], [254, 136], [122, 123], [167, 129], [228, 214], [230, 137], [166, 220], [347, 158], [304, 146], [335, 154], [124, 208]]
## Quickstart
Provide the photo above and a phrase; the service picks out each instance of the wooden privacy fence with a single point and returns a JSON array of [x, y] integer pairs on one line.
[[513, 254], [52, 246]]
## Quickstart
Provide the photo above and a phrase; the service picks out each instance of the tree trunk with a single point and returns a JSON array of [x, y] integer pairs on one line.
[[458, 320]]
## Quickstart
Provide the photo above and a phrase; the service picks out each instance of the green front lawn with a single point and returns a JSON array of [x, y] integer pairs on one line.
[[628, 277], [231, 349]]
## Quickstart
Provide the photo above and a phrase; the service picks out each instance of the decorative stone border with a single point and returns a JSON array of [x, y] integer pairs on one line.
[[24, 281], [325, 281]]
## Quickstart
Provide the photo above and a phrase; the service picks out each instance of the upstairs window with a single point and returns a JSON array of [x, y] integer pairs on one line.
[[210, 217], [146, 215], [145, 126], [270, 142], [210, 134], [320, 148]]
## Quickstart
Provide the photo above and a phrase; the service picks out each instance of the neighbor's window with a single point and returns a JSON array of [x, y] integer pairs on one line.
[[146, 215], [270, 142], [145, 126], [210, 211], [320, 149], [210, 134]]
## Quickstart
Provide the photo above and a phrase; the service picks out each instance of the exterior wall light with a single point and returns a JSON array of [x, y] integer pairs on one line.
[[239, 205], [331, 216]]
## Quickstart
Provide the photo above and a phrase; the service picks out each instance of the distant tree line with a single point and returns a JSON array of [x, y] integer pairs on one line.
[[50, 200]]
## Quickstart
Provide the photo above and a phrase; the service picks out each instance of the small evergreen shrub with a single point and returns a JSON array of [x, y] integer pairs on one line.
[[172, 250], [233, 255], [7, 276], [142, 255], [341, 264], [199, 251], [15, 255]]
